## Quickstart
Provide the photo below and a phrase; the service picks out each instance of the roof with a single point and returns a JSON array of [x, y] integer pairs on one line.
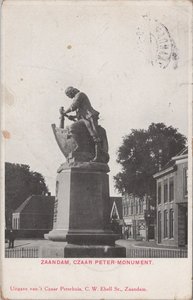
[[171, 165], [23, 205], [36, 203], [183, 152], [118, 203]]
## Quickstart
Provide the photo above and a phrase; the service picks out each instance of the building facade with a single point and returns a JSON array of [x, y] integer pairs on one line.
[[172, 200], [34, 216], [137, 216]]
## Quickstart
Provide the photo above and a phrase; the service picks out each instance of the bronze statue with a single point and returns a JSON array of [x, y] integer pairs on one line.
[[84, 111], [84, 141]]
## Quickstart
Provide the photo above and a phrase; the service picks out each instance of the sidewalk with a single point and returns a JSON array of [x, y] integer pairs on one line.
[[29, 248], [32, 243], [131, 243]]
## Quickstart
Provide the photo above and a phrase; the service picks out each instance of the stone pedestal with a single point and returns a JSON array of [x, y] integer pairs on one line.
[[82, 207], [82, 203]]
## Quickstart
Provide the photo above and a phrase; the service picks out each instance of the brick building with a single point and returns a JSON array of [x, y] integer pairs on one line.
[[34, 216], [172, 199], [138, 217]]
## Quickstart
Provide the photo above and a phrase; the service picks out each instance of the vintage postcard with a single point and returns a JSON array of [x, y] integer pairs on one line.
[[96, 152]]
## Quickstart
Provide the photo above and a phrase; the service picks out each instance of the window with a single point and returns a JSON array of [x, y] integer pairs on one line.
[[124, 212], [137, 207], [16, 223], [159, 193], [13, 223], [159, 227], [171, 223], [165, 191], [127, 210], [171, 189], [131, 208], [140, 206], [165, 223], [185, 182]]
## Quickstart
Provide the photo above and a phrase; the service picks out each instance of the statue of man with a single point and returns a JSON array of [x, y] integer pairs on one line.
[[84, 111]]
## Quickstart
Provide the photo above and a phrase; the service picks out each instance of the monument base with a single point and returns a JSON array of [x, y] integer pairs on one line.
[[56, 235], [82, 205], [82, 251], [85, 237], [92, 251]]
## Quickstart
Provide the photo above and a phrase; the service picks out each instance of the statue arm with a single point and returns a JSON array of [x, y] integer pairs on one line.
[[64, 113], [76, 103], [69, 110]]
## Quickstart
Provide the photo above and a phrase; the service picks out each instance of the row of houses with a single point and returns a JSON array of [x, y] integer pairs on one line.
[[134, 217], [36, 215], [139, 217], [166, 221], [172, 201]]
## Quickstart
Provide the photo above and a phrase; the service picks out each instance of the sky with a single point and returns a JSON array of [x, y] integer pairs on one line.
[[102, 48]]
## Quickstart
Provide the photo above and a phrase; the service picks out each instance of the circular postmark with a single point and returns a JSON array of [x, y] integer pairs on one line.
[[161, 47], [165, 49]]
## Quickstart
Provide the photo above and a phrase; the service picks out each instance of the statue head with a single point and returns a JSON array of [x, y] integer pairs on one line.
[[71, 92]]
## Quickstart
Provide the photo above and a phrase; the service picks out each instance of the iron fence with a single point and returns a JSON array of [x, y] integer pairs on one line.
[[22, 253], [156, 253], [130, 253]]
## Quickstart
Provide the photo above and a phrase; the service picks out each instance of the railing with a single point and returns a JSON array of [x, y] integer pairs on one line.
[[22, 253], [156, 253], [130, 253]]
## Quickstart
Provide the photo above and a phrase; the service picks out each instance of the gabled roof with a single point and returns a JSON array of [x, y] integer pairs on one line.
[[183, 152], [23, 205], [116, 203], [171, 165], [35, 203]]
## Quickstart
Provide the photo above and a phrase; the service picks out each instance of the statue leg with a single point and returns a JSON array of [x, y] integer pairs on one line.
[[91, 125], [98, 149], [94, 124]]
